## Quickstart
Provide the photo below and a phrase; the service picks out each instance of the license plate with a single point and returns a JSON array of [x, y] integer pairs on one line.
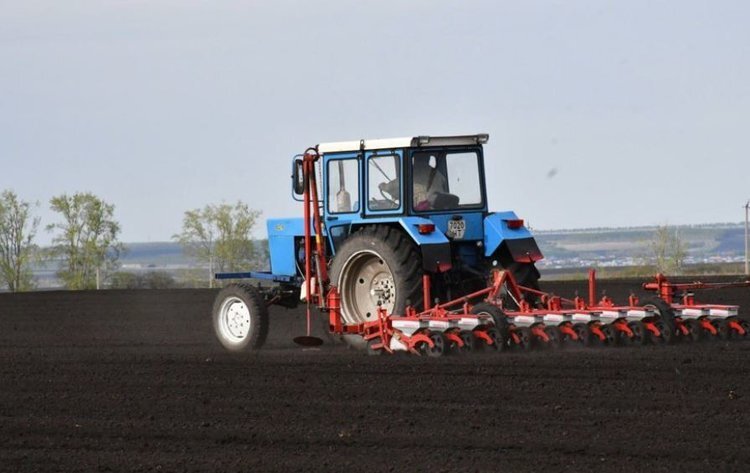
[[456, 229]]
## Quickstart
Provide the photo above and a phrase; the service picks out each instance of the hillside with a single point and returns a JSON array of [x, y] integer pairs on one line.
[[712, 243]]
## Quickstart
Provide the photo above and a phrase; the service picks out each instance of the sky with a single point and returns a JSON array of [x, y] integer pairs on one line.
[[600, 113]]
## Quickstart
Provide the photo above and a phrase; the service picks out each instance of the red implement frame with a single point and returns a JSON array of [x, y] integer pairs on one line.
[[668, 291]]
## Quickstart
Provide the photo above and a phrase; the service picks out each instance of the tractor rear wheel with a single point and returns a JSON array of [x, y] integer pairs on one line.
[[376, 267], [240, 318]]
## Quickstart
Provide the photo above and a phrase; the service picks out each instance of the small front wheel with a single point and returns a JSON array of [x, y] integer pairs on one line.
[[467, 337], [611, 335], [640, 337], [499, 341], [527, 338], [439, 345], [240, 318], [555, 337]]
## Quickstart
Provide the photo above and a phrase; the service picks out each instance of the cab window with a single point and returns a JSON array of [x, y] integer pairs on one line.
[[445, 180], [384, 182], [463, 178], [343, 186]]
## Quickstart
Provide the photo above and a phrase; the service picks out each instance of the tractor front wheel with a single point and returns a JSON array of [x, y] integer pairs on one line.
[[240, 318]]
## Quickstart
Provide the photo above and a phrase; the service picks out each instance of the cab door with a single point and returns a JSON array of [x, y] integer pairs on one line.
[[384, 182], [342, 201]]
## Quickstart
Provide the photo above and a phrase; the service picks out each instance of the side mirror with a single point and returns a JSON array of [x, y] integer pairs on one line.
[[298, 177]]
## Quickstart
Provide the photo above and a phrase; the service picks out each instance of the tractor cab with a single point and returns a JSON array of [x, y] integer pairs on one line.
[[440, 179]]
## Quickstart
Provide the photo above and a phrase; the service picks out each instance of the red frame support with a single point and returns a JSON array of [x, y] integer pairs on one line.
[[668, 290]]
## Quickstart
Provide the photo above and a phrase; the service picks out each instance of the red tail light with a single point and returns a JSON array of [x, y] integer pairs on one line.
[[426, 228], [515, 224]]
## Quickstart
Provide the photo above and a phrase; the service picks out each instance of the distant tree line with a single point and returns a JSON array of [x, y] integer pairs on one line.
[[85, 240], [86, 247]]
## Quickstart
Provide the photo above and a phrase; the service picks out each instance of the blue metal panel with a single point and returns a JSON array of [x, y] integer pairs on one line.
[[281, 234], [496, 230], [410, 225], [474, 224]]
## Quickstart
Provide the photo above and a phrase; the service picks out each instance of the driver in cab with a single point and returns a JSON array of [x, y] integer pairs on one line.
[[428, 182]]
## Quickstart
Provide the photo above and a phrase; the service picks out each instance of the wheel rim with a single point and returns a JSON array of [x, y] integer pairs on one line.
[[609, 336], [497, 341], [637, 330], [438, 345], [366, 282], [581, 333], [234, 320], [526, 338], [468, 339]]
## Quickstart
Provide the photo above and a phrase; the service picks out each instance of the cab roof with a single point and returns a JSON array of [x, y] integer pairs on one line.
[[405, 142]]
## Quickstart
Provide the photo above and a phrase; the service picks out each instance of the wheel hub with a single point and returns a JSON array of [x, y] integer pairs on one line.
[[366, 284], [235, 319], [383, 289]]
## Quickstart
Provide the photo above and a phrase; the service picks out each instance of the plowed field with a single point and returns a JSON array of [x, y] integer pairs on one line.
[[134, 381]]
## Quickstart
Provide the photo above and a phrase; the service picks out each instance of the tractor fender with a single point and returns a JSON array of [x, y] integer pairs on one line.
[[518, 240], [434, 246]]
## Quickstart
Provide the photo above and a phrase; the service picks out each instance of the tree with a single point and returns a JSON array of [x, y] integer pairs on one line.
[[669, 250], [17, 231], [87, 244], [219, 237]]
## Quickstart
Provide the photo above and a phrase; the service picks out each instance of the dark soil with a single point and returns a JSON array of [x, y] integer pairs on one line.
[[134, 381]]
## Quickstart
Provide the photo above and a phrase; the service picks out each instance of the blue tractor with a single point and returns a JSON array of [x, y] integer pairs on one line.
[[390, 212]]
